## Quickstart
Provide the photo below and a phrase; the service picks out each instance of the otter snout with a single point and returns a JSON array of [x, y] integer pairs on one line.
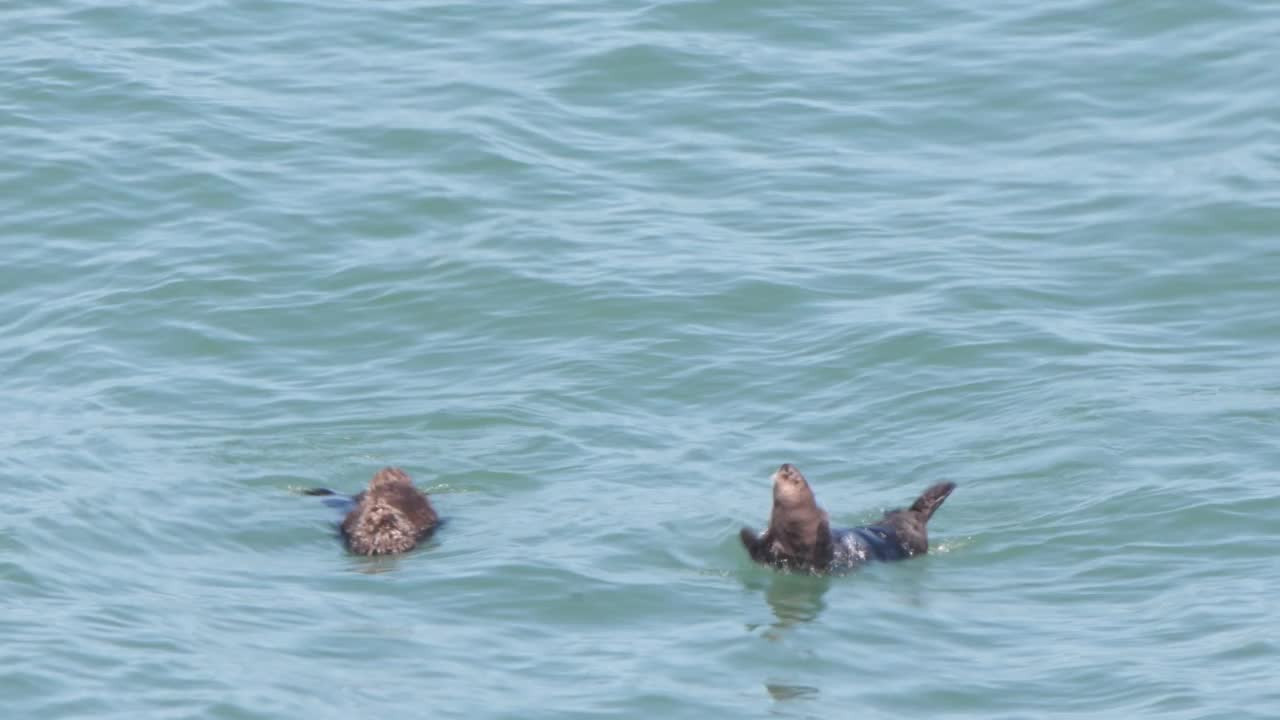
[[789, 474]]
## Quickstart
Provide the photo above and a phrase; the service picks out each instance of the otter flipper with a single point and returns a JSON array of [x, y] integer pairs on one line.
[[334, 499], [929, 501], [751, 541]]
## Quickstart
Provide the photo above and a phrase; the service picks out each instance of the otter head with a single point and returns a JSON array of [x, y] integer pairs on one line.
[[799, 532], [790, 489], [389, 477]]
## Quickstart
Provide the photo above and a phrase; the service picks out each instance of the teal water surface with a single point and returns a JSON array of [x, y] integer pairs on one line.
[[590, 272]]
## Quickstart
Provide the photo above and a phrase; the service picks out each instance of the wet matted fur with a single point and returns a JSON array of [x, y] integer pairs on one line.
[[391, 516]]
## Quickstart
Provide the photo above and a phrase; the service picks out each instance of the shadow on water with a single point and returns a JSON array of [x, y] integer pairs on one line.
[[794, 599], [375, 565], [782, 692], [797, 599]]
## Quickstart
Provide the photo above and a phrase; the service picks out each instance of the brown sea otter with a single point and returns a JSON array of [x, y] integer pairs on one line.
[[799, 536], [391, 516]]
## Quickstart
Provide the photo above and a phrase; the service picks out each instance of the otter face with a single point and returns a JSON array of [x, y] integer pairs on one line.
[[389, 477], [790, 488]]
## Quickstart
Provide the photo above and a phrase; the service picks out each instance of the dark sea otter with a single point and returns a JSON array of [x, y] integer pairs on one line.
[[799, 536], [391, 516]]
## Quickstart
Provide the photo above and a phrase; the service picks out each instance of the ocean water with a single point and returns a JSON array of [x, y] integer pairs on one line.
[[590, 272]]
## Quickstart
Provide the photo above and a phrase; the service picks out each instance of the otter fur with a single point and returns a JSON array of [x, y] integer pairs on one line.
[[391, 516], [799, 536]]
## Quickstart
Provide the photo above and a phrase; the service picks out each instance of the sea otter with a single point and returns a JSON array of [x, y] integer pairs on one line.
[[391, 516], [799, 536]]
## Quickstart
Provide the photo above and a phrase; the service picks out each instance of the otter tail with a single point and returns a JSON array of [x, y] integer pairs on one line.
[[929, 502], [318, 491]]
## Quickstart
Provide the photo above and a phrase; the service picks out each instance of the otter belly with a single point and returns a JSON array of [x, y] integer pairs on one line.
[[861, 545]]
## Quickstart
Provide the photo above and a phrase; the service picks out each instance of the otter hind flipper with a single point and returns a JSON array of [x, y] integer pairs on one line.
[[333, 499], [930, 500]]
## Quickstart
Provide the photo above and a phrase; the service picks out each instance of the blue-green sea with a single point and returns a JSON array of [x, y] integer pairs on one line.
[[589, 272]]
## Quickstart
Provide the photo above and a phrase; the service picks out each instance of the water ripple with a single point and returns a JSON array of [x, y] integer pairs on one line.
[[590, 273]]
